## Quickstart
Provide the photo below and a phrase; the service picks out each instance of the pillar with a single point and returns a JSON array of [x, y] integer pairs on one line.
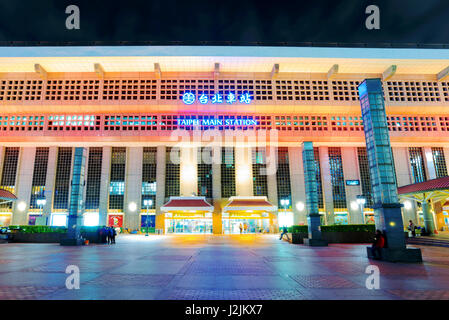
[[351, 172], [104, 185], [327, 185], [429, 222], [387, 210], [24, 181], [133, 189], [2, 157], [217, 223], [295, 157], [311, 192], [429, 164], [188, 171], [75, 214], [160, 187], [50, 180], [243, 171], [404, 177]]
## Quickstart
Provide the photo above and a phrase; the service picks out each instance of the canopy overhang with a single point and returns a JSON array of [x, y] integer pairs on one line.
[[435, 189], [190, 204], [7, 196], [247, 204]]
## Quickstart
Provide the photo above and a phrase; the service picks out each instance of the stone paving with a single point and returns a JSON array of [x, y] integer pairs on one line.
[[249, 267]]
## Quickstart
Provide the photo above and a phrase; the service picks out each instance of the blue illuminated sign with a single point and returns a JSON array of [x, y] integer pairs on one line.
[[352, 182], [189, 98]]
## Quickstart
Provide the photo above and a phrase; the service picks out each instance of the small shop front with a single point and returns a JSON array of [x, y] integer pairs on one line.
[[188, 215], [248, 215], [6, 197]]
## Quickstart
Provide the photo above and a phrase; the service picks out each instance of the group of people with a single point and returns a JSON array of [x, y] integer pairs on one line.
[[414, 230], [107, 235], [243, 228]]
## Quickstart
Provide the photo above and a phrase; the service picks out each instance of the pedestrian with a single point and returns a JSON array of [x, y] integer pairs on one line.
[[103, 234], [241, 228], [245, 227], [113, 234], [411, 228], [284, 231], [378, 244], [109, 233]]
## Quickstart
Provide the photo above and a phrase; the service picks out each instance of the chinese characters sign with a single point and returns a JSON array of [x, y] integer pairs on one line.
[[190, 98]]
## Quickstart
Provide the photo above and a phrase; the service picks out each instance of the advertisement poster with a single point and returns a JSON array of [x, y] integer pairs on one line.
[[115, 221]]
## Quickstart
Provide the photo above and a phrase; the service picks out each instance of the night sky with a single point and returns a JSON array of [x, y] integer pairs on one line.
[[234, 22]]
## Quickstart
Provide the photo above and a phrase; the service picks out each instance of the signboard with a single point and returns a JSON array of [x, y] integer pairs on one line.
[[151, 221], [115, 220], [352, 182], [217, 122]]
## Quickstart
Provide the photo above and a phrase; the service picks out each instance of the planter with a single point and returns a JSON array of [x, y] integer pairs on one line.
[[337, 237], [49, 237], [348, 237]]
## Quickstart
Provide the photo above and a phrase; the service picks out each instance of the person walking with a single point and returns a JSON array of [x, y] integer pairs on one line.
[[245, 227], [284, 231], [241, 228]]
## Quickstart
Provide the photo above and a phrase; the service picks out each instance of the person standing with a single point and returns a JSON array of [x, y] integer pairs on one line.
[[241, 228], [379, 243], [411, 228], [245, 227], [114, 233]]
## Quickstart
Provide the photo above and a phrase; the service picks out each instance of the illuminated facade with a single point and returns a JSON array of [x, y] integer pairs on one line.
[[135, 110]]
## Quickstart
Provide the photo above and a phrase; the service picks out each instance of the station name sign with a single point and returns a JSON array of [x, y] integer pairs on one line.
[[230, 98], [217, 122]]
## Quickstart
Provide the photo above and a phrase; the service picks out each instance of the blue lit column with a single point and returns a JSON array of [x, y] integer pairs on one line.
[[76, 204], [311, 188], [387, 208]]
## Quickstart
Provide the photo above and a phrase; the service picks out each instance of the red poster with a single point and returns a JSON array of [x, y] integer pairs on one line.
[[115, 221]]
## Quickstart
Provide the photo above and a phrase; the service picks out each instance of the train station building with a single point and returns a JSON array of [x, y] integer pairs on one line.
[[208, 139]]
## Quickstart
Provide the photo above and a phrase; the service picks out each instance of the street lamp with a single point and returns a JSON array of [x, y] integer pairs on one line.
[[41, 203], [361, 201], [148, 203]]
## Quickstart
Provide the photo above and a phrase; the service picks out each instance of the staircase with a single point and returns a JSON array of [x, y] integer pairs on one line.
[[429, 241]]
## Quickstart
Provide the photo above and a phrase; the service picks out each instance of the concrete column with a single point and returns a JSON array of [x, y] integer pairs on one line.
[[297, 184], [429, 164], [271, 175], [2, 157], [133, 189], [23, 184], [160, 186], [50, 180], [188, 171], [104, 185], [217, 223], [327, 184], [428, 217], [446, 157], [404, 177], [351, 172], [243, 171]]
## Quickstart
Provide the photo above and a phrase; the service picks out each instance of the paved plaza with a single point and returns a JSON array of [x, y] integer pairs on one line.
[[215, 267]]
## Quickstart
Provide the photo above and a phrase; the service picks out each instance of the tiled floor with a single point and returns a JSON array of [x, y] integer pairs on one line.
[[215, 267]]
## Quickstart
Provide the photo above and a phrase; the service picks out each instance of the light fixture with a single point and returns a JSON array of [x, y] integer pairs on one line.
[[361, 200], [407, 205], [22, 206], [300, 206], [132, 206], [41, 202], [354, 205], [285, 202], [148, 202]]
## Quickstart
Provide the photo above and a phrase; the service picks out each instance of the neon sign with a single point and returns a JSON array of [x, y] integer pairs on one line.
[[189, 98], [217, 122]]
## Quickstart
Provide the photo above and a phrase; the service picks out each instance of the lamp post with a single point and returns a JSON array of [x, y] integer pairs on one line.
[[147, 203], [361, 201], [41, 203], [285, 203]]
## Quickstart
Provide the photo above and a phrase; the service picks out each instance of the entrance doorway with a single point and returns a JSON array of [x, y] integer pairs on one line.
[[232, 226], [192, 226]]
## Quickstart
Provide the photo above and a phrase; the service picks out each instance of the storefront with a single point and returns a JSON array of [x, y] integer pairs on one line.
[[249, 215], [188, 215], [6, 197]]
